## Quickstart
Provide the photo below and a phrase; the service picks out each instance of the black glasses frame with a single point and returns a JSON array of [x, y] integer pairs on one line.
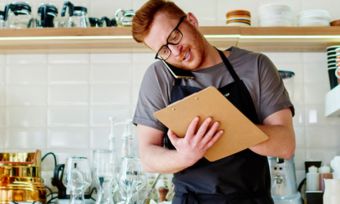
[[170, 43]]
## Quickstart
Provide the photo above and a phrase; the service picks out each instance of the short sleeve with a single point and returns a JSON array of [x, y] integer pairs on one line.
[[273, 94], [153, 96]]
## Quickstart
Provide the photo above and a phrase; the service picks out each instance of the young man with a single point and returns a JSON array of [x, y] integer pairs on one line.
[[249, 80]]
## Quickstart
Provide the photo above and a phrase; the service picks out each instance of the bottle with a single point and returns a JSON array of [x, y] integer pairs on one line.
[[312, 178], [325, 173]]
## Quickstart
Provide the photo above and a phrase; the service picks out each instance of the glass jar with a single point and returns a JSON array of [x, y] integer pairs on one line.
[[2, 19], [79, 17], [18, 15]]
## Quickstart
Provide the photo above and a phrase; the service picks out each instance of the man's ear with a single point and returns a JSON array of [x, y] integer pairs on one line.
[[192, 19]]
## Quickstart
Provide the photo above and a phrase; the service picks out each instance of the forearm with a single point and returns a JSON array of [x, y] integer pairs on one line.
[[281, 142], [161, 160]]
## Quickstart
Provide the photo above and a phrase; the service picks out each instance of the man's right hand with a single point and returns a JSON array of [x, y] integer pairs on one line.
[[197, 140]]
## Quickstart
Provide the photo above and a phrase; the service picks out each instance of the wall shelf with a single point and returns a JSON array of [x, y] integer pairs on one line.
[[119, 39]]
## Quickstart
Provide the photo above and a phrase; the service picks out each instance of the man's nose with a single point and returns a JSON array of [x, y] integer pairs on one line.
[[175, 49]]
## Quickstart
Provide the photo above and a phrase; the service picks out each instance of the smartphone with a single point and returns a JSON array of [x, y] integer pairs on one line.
[[178, 73]]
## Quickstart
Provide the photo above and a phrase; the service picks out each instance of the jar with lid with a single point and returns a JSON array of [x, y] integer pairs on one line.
[[47, 13], [17, 15], [79, 17], [2, 19]]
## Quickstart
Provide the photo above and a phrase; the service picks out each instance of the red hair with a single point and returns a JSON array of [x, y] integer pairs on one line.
[[144, 16]]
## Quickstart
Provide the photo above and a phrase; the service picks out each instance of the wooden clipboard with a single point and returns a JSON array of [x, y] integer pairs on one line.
[[239, 132]]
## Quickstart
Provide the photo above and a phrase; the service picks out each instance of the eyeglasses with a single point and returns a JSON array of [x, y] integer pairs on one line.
[[173, 39]]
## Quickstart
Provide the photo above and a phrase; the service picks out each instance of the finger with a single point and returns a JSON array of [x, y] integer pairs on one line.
[[192, 128], [203, 128], [211, 132], [172, 136], [214, 139]]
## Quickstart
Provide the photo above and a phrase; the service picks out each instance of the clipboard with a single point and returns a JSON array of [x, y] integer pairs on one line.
[[239, 132]]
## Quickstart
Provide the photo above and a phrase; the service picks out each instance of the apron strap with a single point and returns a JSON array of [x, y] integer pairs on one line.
[[228, 65]]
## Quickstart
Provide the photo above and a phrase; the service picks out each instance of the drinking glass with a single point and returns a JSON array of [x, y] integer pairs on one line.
[[131, 178], [77, 178], [103, 170]]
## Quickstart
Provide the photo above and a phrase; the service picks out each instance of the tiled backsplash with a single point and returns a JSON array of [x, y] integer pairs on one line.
[[61, 102]]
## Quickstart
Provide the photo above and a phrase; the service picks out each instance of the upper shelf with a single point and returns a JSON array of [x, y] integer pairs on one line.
[[120, 39]]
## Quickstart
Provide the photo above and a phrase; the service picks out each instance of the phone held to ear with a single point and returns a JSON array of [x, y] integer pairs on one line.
[[178, 73]]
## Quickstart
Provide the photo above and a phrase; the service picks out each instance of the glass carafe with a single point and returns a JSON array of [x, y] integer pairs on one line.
[[17, 15]]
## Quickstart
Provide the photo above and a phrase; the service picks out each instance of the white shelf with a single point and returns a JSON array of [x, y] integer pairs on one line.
[[332, 104]]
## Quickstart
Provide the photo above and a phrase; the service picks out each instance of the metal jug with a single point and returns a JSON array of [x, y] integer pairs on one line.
[[283, 181], [17, 15], [47, 13]]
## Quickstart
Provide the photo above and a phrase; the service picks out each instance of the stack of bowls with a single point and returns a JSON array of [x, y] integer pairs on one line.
[[314, 17], [274, 14], [337, 71], [333, 62], [335, 22], [238, 18]]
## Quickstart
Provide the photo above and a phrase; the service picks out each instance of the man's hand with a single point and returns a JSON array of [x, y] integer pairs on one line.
[[197, 140]]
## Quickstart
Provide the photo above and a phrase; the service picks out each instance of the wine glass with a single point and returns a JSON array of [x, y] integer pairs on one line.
[[103, 170], [131, 178], [77, 178]]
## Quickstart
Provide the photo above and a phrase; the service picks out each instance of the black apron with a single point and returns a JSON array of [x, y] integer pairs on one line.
[[242, 178]]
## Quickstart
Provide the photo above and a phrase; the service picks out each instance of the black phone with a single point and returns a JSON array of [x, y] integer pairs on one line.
[[178, 73]]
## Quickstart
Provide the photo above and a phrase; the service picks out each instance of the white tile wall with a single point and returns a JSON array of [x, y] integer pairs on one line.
[[22, 95], [61, 102], [68, 73]]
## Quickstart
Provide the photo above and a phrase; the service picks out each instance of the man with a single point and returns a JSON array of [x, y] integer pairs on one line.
[[249, 80]]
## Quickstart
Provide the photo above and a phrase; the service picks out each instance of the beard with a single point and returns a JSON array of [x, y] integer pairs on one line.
[[192, 55]]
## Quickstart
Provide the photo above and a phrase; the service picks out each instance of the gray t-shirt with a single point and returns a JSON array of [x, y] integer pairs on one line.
[[256, 70]]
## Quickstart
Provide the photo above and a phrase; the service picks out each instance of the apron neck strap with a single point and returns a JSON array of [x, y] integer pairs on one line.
[[228, 65]]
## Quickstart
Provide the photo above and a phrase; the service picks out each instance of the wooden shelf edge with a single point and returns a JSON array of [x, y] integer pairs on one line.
[[206, 30], [119, 39]]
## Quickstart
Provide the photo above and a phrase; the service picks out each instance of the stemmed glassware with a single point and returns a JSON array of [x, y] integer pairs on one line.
[[77, 178], [131, 178], [103, 170]]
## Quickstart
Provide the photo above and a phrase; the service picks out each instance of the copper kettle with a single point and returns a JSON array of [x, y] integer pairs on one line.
[[20, 177]]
